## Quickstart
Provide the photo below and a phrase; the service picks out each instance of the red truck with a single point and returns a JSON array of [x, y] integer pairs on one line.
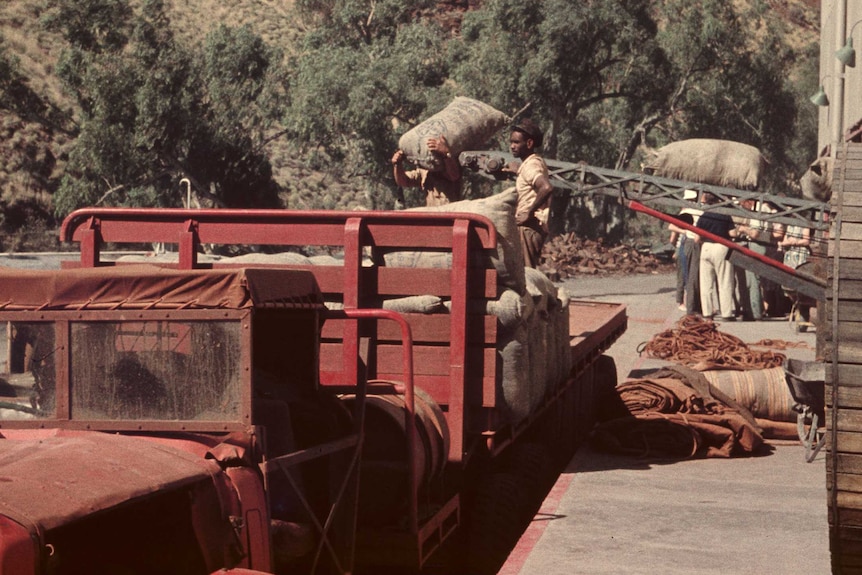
[[285, 413]]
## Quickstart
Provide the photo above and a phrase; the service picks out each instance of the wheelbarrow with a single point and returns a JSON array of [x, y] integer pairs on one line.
[[807, 383]]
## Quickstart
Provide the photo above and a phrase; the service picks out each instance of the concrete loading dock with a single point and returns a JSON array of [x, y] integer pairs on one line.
[[613, 514]]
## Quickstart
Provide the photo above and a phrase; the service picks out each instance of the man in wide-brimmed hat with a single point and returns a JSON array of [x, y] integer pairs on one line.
[[687, 257]]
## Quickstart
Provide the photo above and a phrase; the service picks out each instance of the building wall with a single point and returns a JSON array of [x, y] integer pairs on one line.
[[843, 85]]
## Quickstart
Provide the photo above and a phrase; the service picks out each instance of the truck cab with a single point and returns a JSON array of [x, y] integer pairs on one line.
[[155, 420]]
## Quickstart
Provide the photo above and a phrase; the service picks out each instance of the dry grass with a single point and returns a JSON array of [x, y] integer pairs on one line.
[[271, 19]]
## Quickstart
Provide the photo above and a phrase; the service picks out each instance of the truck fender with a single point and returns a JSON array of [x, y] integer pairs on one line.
[[253, 524]]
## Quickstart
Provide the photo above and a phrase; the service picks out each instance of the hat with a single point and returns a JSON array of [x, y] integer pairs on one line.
[[528, 127], [689, 195]]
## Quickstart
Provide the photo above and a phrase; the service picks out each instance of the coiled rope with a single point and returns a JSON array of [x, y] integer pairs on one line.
[[697, 343]]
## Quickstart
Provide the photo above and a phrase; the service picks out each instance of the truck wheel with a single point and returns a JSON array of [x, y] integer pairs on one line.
[[495, 523], [606, 373], [605, 403], [532, 465]]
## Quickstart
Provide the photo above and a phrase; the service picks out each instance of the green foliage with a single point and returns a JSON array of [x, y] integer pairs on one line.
[[24, 228], [607, 79], [800, 142], [242, 76], [158, 111], [487, 59], [356, 22], [608, 76], [559, 57], [90, 25], [353, 95], [732, 80]]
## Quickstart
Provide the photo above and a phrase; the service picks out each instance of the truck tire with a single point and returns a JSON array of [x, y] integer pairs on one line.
[[604, 403], [495, 522], [531, 463], [606, 374]]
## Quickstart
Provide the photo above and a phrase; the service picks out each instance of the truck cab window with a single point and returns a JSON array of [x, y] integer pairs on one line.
[[27, 370], [168, 370]]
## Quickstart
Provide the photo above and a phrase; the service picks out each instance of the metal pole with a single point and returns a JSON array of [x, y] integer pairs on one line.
[[835, 535], [188, 184], [836, 107]]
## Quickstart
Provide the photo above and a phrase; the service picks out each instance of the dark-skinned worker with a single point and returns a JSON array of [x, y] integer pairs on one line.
[[534, 189], [440, 187]]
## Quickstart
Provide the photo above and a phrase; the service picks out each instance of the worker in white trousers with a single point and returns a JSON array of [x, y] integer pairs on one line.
[[716, 273]]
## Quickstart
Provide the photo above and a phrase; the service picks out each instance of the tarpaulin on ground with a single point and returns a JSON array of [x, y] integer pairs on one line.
[[675, 413]]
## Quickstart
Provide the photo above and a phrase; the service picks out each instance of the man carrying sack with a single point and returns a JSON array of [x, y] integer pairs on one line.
[[440, 187]]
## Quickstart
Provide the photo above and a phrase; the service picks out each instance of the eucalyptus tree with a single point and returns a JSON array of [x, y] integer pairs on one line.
[[363, 72], [154, 110], [559, 58], [728, 78], [611, 78], [608, 76]]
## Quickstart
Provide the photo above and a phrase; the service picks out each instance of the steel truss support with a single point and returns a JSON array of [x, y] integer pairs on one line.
[[656, 192]]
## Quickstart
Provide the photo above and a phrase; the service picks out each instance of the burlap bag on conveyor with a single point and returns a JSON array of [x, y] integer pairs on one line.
[[705, 161], [466, 123], [816, 182]]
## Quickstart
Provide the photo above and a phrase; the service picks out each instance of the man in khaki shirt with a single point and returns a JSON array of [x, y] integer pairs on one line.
[[534, 190]]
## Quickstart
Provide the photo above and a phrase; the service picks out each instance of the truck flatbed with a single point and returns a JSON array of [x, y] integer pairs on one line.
[[502, 370]]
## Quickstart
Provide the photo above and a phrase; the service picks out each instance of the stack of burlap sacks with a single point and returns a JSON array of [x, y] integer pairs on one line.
[[532, 313], [533, 337]]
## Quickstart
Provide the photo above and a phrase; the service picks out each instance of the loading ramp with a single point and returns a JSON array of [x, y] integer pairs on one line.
[[655, 196]]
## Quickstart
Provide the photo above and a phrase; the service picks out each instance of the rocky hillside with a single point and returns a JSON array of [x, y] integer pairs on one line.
[[35, 136]]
